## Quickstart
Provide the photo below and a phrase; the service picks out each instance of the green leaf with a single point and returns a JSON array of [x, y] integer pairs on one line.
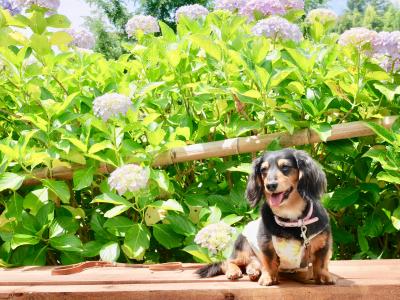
[[285, 119], [68, 242], [382, 132], [58, 21], [389, 176], [10, 181], [92, 248], [60, 188], [362, 241], [40, 44], [211, 48], [156, 137], [232, 219], [110, 252], [60, 38], [170, 204], [162, 180], [324, 130], [166, 236], [112, 198], [118, 226], [115, 211], [23, 239], [83, 178], [395, 218], [136, 242], [181, 224], [243, 168], [343, 197], [198, 252], [167, 32], [215, 215]]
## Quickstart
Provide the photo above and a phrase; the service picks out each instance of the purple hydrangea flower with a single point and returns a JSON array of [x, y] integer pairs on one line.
[[82, 38], [321, 15], [293, 4], [264, 7], [195, 11], [358, 37], [231, 5], [129, 177], [11, 6], [277, 28], [52, 5], [147, 24], [386, 48], [111, 105]]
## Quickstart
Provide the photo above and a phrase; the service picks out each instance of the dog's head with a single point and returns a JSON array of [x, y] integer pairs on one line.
[[277, 174]]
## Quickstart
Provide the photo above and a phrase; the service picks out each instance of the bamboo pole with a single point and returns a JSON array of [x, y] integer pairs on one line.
[[232, 147]]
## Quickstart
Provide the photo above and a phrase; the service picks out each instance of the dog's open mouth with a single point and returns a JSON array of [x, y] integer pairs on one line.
[[275, 199]]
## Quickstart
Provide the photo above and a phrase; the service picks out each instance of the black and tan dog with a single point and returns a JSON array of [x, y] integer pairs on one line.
[[293, 232]]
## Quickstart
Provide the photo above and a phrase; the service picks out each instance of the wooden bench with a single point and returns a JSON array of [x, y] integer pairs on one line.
[[369, 279]]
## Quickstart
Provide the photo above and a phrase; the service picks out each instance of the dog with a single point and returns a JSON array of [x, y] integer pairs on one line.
[[293, 234]]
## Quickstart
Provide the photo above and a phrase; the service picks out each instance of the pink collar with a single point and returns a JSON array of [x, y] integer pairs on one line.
[[307, 220]]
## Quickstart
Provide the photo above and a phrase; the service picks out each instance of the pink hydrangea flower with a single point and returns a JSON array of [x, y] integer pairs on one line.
[[277, 28]]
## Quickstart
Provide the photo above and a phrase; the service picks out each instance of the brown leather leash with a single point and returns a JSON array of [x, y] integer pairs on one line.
[[79, 267]]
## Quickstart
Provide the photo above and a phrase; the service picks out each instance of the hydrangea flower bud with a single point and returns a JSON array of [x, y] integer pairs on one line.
[[147, 24], [277, 28], [111, 105], [193, 12], [130, 177], [216, 237], [82, 38]]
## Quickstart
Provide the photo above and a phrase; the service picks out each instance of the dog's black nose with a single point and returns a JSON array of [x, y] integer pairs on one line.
[[271, 186]]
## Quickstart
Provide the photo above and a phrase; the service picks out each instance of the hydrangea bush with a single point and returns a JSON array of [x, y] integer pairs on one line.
[[219, 76]]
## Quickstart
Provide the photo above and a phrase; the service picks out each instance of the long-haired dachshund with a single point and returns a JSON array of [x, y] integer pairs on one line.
[[293, 232]]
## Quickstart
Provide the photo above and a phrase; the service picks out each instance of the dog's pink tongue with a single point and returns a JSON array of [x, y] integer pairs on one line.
[[276, 199]]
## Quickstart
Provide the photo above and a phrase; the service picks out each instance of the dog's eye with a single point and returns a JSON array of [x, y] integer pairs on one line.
[[285, 169]]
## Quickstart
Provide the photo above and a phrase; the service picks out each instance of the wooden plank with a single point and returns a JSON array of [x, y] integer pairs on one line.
[[230, 147], [379, 279]]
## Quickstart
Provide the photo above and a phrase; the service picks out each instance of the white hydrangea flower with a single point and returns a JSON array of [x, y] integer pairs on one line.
[[129, 177], [110, 105], [82, 38], [358, 37], [147, 24], [52, 5], [193, 12], [321, 15], [216, 237]]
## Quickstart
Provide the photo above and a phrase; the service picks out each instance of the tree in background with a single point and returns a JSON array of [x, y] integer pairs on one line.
[[312, 4], [373, 14]]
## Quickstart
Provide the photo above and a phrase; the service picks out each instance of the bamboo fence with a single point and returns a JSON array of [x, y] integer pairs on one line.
[[230, 147]]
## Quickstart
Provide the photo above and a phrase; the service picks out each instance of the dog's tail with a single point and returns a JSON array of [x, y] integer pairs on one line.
[[210, 270]]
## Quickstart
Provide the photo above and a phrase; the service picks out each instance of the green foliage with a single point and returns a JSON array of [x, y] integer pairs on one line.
[[209, 81], [378, 15]]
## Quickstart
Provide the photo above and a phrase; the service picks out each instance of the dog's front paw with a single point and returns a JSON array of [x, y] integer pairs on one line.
[[234, 274], [253, 273], [267, 280], [325, 278]]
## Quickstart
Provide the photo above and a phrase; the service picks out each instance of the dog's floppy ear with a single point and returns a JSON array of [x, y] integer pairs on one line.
[[312, 180], [254, 190]]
